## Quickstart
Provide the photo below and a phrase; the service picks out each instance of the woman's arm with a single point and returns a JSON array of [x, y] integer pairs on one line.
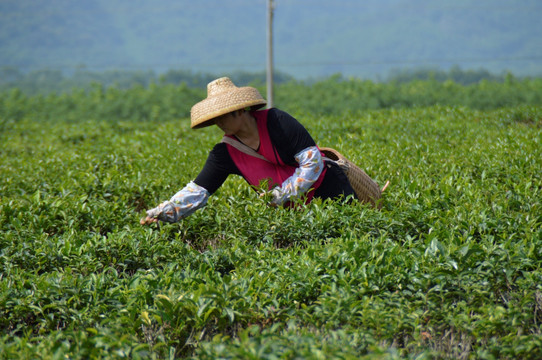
[[191, 198], [194, 196], [310, 167], [295, 146]]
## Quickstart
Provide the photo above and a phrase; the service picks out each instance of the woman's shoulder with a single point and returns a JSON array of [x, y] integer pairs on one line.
[[279, 115], [287, 134], [219, 159], [280, 119], [219, 150]]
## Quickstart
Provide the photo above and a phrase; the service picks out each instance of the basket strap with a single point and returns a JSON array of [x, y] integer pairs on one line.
[[250, 151], [243, 148]]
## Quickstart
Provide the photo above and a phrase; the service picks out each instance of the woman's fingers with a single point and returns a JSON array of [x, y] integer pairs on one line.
[[148, 220]]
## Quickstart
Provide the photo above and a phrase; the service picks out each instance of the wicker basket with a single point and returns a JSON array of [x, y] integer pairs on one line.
[[366, 189]]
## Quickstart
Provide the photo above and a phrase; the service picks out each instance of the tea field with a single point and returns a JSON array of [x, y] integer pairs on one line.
[[449, 268]]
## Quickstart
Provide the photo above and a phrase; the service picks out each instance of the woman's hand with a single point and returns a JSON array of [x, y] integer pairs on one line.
[[152, 215], [268, 198], [148, 220]]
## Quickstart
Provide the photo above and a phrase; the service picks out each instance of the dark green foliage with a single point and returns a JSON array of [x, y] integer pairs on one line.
[[46, 81], [337, 95], [168, 99], [449, 268]]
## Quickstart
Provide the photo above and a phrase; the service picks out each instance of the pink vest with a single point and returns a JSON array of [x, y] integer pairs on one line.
[[275, 170]]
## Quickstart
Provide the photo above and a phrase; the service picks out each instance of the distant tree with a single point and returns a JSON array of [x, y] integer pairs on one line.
[[455, 74], [9, 75]]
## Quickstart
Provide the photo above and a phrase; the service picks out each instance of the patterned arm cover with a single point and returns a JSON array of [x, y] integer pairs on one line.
[[191, 198], [310, 167]]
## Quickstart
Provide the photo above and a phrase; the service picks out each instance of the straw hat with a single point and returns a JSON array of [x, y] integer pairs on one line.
[[223, 97]]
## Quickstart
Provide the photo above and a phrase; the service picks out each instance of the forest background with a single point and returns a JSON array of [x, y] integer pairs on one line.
[[59, 44]]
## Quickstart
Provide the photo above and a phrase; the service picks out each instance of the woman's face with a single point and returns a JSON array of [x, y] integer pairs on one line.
[[229, 123]]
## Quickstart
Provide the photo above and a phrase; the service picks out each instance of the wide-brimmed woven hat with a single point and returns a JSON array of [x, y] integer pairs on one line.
[[223, 97]]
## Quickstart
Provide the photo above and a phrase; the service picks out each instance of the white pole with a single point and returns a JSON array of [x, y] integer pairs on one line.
[[270, 8]]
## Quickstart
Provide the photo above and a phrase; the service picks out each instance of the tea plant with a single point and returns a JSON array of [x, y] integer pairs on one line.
[[450, 267]]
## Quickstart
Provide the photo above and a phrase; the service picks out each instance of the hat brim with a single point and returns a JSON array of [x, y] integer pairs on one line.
[[203, 113]]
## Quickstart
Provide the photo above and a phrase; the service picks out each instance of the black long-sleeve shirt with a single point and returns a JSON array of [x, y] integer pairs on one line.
[[287, 135]]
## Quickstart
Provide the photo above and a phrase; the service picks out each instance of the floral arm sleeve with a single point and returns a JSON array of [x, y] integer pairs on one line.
[[310, 167], [191, 198]]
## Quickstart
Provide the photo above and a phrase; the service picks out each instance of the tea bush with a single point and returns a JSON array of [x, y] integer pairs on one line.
[[450, 267]]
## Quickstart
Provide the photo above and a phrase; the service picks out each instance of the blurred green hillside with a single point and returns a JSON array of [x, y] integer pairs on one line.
[[312, 38]]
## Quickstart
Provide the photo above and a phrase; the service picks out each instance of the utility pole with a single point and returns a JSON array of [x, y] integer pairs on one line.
[[270, 8]]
